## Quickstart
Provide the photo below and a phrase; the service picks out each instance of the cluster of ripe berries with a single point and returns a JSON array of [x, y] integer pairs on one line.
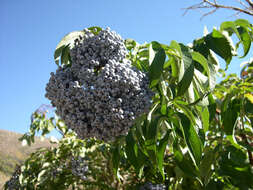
[[101, 93]]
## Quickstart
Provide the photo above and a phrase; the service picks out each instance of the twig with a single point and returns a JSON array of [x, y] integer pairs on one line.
[[250, 3], [243, 4], [209, 13], [207, 4]]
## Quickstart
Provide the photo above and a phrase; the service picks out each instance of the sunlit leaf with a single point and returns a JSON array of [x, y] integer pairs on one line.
[[249, 97], [157, 60], [220, 44], [130, 44], [204, 115], [95, 29], [186, 71], [245, 40], [209, 68], [65, 41]]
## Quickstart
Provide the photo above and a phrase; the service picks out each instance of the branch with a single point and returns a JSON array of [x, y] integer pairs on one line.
[[250, 3], [208, 4]]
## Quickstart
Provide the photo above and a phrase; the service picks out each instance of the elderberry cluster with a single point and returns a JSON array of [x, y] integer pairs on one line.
[[101, 93], [150, 186], [13, 183], [79, 167]]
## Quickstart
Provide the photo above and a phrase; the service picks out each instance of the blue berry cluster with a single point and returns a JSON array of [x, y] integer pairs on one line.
[[150, 186], [101, 93], [13, 183], [79, 167]]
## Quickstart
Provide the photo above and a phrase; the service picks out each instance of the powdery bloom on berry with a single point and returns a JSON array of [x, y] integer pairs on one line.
[[101, 94]]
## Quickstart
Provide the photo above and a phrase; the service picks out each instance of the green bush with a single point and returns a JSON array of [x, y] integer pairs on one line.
[[196, 135]]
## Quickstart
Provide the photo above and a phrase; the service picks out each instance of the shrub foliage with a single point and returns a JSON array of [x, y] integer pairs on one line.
[[198, 134]]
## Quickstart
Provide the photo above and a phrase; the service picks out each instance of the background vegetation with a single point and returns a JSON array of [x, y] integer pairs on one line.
[[12, 153]]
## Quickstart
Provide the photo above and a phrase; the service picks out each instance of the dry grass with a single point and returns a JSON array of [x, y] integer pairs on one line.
[[12, 153]]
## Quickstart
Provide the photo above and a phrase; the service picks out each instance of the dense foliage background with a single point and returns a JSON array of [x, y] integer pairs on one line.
[[197, 134]]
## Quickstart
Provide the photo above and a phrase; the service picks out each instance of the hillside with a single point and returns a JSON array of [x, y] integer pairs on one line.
[[12, 152]]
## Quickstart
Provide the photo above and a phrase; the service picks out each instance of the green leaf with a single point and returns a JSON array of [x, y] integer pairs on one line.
[[163, 92], [243, 23], [134, 155], [191, 138], [175, 46], [230, 113], [230, 27], [131, 147], [184, 164], [186, 71], [204, 115], [41, 175], [200, 94], [157, 59], [209, 68], [201, 47], [57, 54], [151, 139], [143, 65], [205, 166], [174, 67], [65, 57], [161, 149], [186, 110], [66, 40], [152, 128], [163, 106], [144, 53], [116, 159], [130, 44], [220, 44], [248, 106], [95, 29], [152, 111], [174, 61], [233, 164], [189, 94], [200, 82], [237, 156], [240, 28], [245, 39]]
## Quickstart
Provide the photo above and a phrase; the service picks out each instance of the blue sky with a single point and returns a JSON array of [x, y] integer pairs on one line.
[[30, 31]]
